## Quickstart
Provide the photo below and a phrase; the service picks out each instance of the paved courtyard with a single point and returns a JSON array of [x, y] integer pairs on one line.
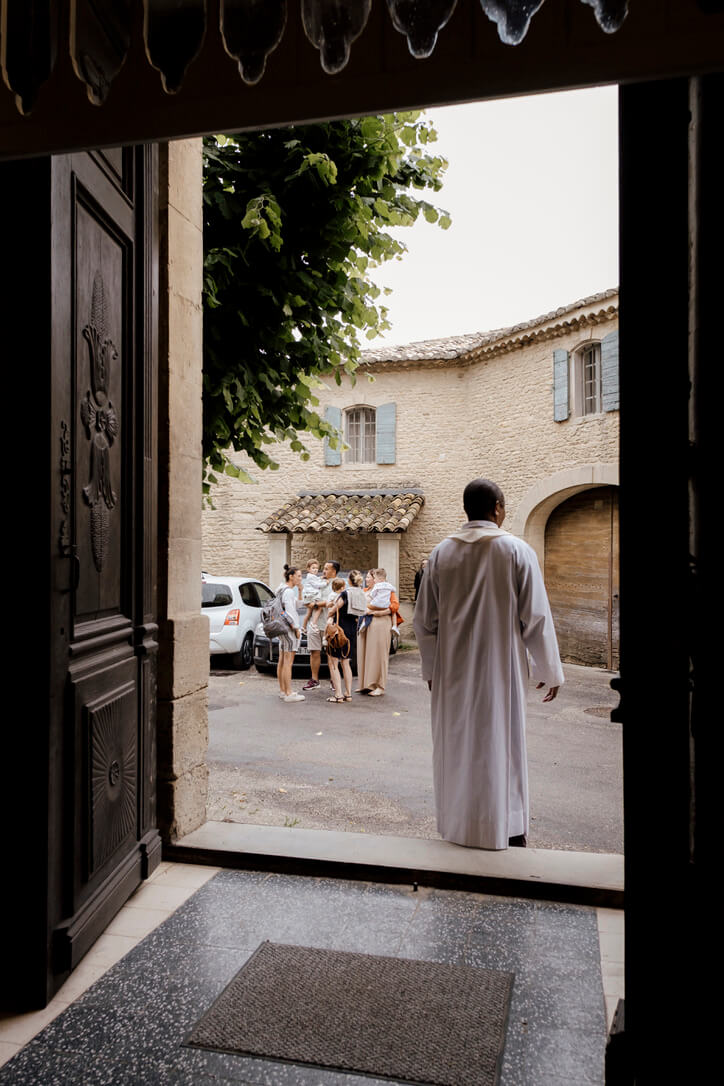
[[365, 766]]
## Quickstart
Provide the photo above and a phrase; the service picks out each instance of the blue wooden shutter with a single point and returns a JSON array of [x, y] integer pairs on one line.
[[332, 415], [385, 435], [609, 372], [560, 385]]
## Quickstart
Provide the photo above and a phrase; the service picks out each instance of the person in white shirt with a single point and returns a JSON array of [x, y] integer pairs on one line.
[[379, 594], [314, 634], [482, 614], [289, 643], [315, 593], [378, 597]]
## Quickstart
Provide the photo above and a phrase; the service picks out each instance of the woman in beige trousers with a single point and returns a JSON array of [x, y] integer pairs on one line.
[[373, 645]]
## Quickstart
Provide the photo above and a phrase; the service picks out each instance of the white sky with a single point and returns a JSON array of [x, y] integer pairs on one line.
[[532, 191]]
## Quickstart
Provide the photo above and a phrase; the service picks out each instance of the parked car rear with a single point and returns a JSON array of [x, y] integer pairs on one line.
[[232, 606]]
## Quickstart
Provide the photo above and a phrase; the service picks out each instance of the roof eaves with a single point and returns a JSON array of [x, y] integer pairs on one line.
[[461, 349]]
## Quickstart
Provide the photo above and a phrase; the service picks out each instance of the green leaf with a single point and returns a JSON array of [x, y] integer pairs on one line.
[[239, 473], [295, 221]]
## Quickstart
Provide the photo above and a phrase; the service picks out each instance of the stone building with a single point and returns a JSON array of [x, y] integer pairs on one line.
[[533, 406]]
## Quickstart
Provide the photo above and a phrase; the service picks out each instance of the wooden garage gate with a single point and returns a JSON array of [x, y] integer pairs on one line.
[[581, 573]]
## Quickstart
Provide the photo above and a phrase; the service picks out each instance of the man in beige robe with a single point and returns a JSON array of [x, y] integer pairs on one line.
[[482, 613]]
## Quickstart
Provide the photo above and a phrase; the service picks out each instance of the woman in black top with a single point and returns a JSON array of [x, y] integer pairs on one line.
[[418, 576], [338, 612]]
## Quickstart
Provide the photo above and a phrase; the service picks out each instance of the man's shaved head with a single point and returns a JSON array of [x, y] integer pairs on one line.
[[479, 499]]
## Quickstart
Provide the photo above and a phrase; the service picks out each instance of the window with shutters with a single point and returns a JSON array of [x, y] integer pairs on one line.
[[589, 362], [585, 382], [370, 433], [360, 433]]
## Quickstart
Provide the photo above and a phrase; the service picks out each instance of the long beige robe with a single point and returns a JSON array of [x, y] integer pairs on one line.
[[373, 653], [482, 603]]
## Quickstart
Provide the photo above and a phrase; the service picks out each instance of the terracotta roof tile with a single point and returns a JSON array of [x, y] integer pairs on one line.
[[347, 511]]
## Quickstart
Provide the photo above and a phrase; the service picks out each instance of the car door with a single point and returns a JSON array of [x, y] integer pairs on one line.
[[216, 600], [264, 593]]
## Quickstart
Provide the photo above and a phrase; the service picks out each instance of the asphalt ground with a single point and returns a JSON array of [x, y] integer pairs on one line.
[[365, 765]]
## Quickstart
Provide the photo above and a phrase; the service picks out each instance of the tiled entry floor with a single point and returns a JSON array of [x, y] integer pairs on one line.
[[127, 1027]]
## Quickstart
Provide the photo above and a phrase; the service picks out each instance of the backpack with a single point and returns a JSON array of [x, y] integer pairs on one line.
[[356, 601], [337, 640], [274, 619]]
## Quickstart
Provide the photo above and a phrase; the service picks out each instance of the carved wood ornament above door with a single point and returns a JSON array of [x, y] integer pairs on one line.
[[103, 72], [173, 31]]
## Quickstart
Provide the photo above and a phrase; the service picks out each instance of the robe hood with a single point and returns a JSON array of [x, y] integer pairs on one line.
[[475, 530]]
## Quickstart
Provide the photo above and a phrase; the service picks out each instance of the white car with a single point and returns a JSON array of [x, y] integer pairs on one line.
[[233, 607]]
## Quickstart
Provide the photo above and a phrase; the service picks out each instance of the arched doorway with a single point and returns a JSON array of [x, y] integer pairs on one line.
[[581, 572]]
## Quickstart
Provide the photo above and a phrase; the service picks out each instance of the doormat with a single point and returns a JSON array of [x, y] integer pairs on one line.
[[412, 1021]]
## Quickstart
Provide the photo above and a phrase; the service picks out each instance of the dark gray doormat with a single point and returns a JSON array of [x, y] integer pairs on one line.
[[419, 1022]]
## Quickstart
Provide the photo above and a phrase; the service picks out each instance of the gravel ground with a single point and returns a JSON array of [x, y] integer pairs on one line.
[[365, 766]]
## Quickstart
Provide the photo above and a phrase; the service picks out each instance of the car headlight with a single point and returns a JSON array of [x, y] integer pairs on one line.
[[259, 631]]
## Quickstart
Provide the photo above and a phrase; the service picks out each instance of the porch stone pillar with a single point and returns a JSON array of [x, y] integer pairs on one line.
[[280, 555], [183, 632], [388, 557]]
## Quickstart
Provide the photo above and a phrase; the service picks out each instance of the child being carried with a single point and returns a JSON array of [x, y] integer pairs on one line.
[[315, 593], [379, 595], [378, 598]]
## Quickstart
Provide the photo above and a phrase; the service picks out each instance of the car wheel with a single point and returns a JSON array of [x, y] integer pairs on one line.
[[242, 659], [247, 652]]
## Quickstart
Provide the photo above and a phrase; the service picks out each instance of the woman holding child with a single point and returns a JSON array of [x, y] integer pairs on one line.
[[373, 637]]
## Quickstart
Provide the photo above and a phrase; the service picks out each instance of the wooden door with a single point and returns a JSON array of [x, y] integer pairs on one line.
[[581, 574], [102, 534]]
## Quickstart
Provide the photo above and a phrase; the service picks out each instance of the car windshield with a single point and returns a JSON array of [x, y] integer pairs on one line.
[[215, 595]]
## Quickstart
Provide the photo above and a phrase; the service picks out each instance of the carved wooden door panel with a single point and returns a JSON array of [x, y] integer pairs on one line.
[[103, 398]]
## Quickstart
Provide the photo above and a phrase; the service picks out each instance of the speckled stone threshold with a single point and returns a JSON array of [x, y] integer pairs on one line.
[[581, 878]]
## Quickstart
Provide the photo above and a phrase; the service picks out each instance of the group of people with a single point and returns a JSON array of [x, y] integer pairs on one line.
[[484, 626], [363, 607]]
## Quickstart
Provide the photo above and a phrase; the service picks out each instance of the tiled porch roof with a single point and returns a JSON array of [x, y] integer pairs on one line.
[[347, 511]]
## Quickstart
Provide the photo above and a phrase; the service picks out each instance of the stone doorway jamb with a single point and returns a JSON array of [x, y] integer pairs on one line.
[[388, 556], [280, 555], [183, 671]]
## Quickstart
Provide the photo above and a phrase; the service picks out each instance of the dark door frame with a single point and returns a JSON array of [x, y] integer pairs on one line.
[[672, 237]]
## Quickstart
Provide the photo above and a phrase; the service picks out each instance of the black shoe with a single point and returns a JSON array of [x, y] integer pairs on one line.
[[519, 841]]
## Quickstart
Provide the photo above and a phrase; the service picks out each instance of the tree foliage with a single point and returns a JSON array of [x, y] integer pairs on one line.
[[294, 222]]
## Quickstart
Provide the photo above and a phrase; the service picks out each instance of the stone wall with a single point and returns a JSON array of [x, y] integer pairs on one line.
[[351, 551], [489, 413], [183, 631]]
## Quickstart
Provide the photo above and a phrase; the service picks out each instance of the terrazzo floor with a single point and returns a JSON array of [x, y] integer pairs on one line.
[[129, 1025]]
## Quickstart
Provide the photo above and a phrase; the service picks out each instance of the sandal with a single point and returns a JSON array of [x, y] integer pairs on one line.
[[335, 699], [347, 697]]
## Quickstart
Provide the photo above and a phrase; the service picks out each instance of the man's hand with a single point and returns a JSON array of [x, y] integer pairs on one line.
[[551, 692]]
